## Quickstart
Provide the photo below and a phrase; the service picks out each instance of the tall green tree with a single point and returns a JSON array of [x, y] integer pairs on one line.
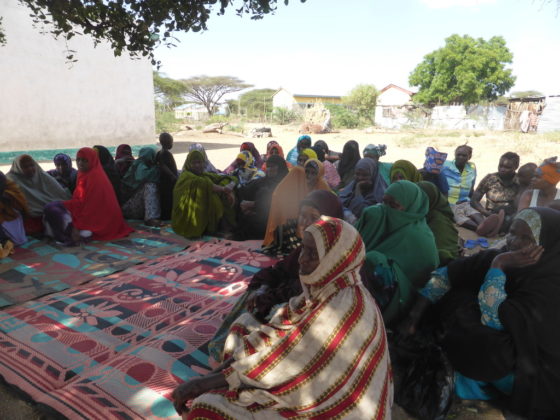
[[363, 100], [136, 26], [256, 103], [466, 70], [209, 90], [169, 92]]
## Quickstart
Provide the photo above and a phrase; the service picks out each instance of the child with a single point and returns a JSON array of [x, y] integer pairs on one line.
[[168, 174]]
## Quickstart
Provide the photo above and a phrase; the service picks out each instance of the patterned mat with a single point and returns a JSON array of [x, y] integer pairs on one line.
[[40, 267], [117, 347]]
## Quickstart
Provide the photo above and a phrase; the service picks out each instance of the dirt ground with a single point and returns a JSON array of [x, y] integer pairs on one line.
[[410, 145]]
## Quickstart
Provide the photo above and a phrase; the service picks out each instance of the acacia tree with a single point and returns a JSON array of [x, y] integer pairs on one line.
[[169, 92], [363, 100], [137, 26], [254, 103], [465, 70], [208, 91]]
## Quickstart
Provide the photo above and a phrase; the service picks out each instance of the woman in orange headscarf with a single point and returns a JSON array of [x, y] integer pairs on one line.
[[544, 192], [93, 212]]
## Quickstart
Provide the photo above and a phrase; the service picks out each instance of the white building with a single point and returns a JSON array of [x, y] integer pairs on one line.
[[393, 103], [193, 112], [47, 103]]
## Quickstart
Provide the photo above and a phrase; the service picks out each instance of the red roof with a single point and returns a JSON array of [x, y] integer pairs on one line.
[[408, 92]]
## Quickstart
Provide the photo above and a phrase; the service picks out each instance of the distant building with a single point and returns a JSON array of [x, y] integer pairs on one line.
[[193, 112], [298, 102], [393, 103]]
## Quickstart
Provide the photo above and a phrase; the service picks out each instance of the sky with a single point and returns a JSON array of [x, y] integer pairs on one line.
[[327, 47]]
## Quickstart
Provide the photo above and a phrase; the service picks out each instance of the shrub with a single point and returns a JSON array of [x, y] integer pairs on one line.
[[284, 116], [342, 117]]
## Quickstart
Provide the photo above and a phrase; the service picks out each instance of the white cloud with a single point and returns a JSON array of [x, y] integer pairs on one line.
[[444, 4]]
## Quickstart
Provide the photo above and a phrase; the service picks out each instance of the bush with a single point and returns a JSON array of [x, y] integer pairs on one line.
[[217, 119], [284, 116], [166, 121], [342, 117]]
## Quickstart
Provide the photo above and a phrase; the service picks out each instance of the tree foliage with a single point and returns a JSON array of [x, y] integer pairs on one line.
[[169, 92], [465, 70], [363, 100], [256, 103], [209, 90], [136, 26]]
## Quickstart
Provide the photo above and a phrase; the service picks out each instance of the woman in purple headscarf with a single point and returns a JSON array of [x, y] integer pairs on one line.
[[64, 173]]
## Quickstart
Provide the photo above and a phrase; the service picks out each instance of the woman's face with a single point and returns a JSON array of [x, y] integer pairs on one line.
[[301, 159], [28, 168], [272, 171], [311, 174], [197, 166], [361, 175], [61, 167], [307, 216], [398, 176], [83, 164], [274, 151], [390, 201], [519, 236], [538, 182], [304, 144], [309, 257]]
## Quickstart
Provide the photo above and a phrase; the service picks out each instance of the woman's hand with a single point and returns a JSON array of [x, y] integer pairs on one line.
[[260, 301], [185, 392], [517, 259]]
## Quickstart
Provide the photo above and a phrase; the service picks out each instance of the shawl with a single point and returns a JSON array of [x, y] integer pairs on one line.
[[250, 147], [94, 206], [66, 179], [441, 221], [407, 170], [143, 170], [108, 163], [353, 200], [293, 154], [288, 195], [196, 207], [400, 242], [324, 354], [529, 344], [12, 200], [123, 158], [200, 148], [39, 190], [350, 156]]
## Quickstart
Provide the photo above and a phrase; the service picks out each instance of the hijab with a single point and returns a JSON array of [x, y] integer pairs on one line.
[[407, 170], [353, 199], [280, 162], [123, 158], [93, 205], [209, 167], [310, 153], [12, 200], [249, 146], [294, 153], [326, 202], [108, 164], [143, 170], [441, 221], [39, 190], [350, 156], [68, 178], [376, 150]]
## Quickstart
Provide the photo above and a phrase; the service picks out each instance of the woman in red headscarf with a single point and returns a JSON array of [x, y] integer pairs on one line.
[[93, 211]]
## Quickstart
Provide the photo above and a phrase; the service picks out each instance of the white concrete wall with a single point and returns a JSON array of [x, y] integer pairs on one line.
[[46, 103], [284, 99], [394, 97]]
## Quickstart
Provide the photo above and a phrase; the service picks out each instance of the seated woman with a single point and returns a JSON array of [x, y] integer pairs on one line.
[[273, 148], [544, 192], [329, 154], [304, 155], [244, 169], [331, 174], [13, 207], [108, 164], [249, 150], [93, 211], [348, 159], [123, 159], [208, 167], [140, 189], [64, 173], [203, 202], [255, 198], [499, 309], [303, 142], [400, 247], [323, 354], [433, 165], [403, 170], [441, 222], [284, 208], [365, 190], [277, 284], [375, 151], [39, 189]]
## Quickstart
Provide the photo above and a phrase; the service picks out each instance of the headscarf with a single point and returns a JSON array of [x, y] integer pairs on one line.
[[310, 153], [320, 152], [325, 202], [528, 345], [294, 153], [108, 164], [353, 199], [350, 156], [550, 171], [94, 205], [280, 162], [209, 167], [434, 160], [12, 200], [39, 190], [273, 144], [407, 170], [323, 144], [249, 146], [68, 178], [143, 170], [284, 365], [375, 149], [123, 158], [288, 194], [400, 244], [248, 171], [441, 221]]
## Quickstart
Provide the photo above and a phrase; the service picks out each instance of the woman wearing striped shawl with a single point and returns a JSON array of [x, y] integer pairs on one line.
[[322, 355]]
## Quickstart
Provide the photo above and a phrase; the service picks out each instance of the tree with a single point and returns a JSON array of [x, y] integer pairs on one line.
[[465, 70], [208, 90], [137, 26], [169, 92], [363, 100], [256, 103]]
